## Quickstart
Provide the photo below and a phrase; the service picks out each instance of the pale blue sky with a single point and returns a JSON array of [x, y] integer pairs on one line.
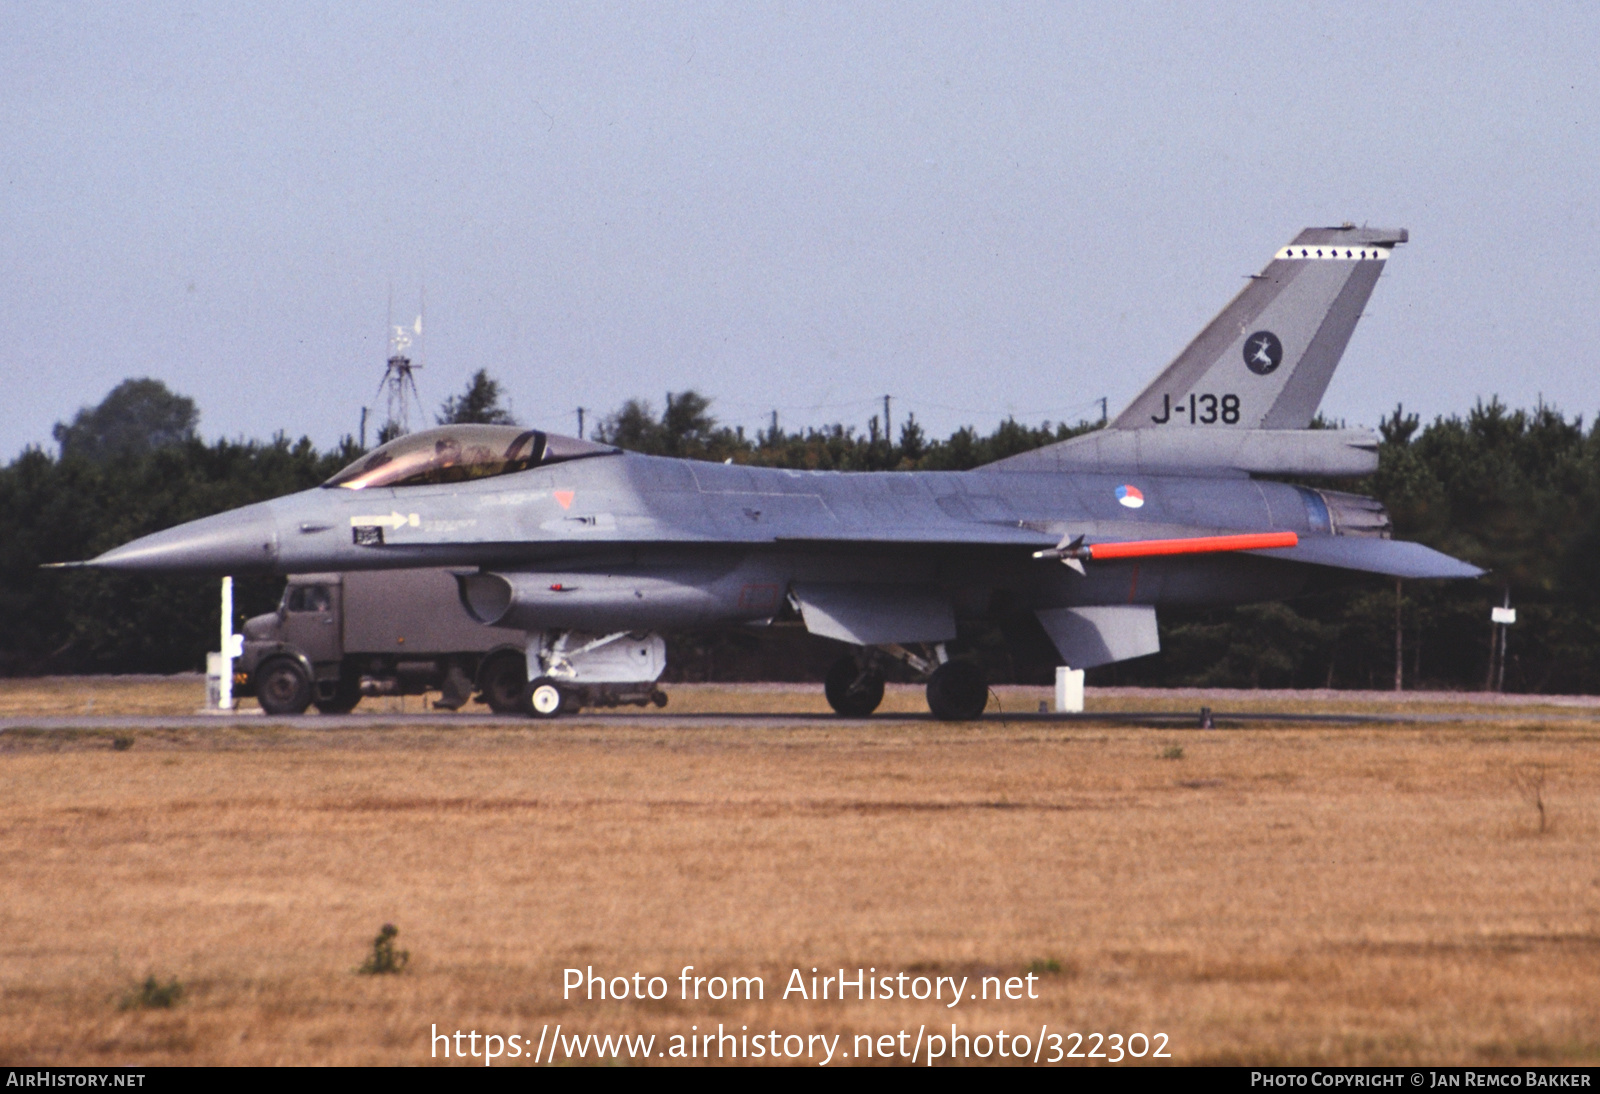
[[979, 209]]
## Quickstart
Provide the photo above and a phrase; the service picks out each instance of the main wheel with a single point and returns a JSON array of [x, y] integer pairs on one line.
[[504, 683], [345, 696], [545, 699], [957, 691], [283, 686], [852, 691]]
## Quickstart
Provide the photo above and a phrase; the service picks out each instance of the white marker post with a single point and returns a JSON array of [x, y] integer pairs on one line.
[[230, 649]]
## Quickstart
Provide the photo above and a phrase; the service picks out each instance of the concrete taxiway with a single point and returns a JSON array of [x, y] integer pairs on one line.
[[1166, 719]]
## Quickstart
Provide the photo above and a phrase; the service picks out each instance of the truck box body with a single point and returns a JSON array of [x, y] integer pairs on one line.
[[413, 613]]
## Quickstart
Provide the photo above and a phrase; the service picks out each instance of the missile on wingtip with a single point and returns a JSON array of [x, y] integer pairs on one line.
[[1074, 552]]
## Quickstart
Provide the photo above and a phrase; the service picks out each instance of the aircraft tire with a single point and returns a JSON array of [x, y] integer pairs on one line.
[[345, 697], [504, 683], [957, 691], [853, 693], [545, 699], [283, 686]]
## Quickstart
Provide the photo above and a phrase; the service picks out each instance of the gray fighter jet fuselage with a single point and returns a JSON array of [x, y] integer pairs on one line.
[[583, 546]]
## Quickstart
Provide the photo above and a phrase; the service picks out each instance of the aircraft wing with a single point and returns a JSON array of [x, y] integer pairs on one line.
[[1393, 557], [1390, 557]]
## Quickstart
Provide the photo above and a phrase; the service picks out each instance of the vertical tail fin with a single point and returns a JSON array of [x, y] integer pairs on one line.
[[1266, 360]]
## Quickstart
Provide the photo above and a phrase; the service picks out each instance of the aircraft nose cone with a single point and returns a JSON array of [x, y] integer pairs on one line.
[[242, 541]]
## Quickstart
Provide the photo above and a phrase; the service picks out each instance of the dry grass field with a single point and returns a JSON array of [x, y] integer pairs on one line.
[[1261, 895], [50, 696]]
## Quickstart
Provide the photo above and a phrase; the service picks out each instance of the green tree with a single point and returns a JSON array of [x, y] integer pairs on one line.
[[913, 440], [479, 403], [688, 423], [64, 509], [686, 428], [633, 426], [137, 416]]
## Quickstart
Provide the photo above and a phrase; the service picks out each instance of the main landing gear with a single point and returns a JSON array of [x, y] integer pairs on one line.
[[958, 691], [854, 686]]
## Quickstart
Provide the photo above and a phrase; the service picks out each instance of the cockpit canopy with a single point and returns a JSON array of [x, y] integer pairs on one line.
[[457, 453]]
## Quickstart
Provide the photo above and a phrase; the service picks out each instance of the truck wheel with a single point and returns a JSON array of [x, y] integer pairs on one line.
[[345, 697], [283, 687], [504, 682], [545, 700]]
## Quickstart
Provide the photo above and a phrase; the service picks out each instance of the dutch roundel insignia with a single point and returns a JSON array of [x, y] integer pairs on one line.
[[1131, 496], [1262, 352]]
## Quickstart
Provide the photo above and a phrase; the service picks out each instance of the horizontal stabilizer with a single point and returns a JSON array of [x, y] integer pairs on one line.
[[875, 615], [1086, 637], [1331, 453], [1393, 557]]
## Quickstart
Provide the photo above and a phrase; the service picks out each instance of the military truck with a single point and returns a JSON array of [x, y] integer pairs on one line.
[[338, 637]]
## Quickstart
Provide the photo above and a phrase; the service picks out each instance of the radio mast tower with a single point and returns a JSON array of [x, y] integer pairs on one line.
[[398, 388]]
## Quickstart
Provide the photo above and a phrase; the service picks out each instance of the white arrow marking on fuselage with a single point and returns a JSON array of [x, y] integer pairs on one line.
[[393, 520]]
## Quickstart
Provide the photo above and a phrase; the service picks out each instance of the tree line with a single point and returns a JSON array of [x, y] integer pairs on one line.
[[1514, 491]]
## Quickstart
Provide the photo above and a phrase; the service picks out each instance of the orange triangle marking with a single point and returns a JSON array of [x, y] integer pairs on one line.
[[564, 498]]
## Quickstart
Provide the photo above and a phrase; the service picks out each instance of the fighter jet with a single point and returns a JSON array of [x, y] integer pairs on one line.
[[594, 552]]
